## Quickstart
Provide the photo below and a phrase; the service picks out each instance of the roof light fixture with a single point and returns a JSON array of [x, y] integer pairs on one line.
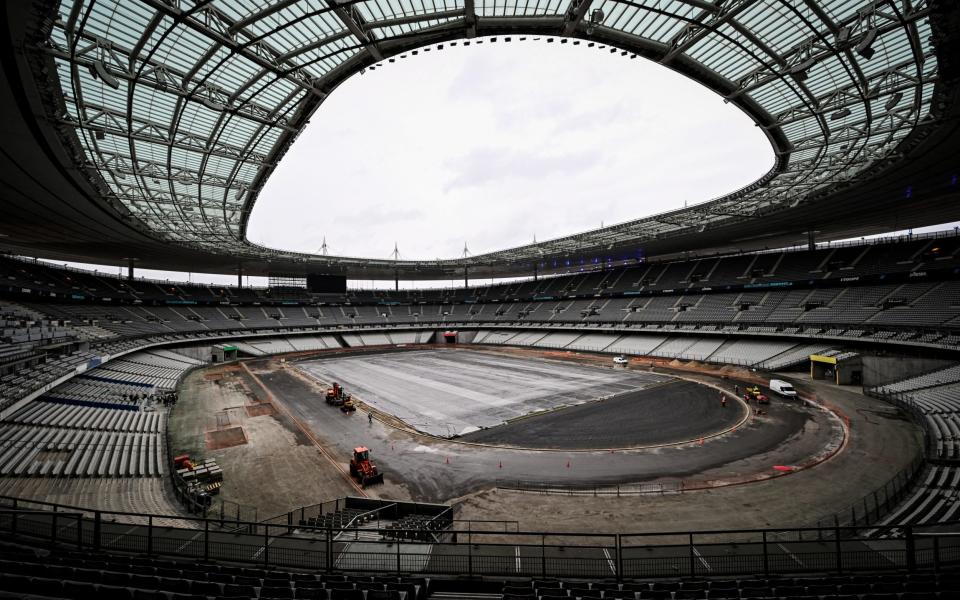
[[865, 46], [104, 75], [799, 70], [892, 102], [596, 18], [843, 112]]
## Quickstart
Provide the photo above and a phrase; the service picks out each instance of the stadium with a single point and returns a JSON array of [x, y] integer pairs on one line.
[[756, 395]]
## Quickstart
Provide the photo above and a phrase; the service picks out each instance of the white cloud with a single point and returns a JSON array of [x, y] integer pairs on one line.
[[491, 144]]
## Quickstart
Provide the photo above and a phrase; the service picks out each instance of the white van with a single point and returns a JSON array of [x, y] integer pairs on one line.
[[783, 388], [620, 360]]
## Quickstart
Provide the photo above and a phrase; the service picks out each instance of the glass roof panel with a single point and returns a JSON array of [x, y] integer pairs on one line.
[[217, 90]]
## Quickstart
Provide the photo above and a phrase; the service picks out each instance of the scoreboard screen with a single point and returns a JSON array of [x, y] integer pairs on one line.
[[319, 283]]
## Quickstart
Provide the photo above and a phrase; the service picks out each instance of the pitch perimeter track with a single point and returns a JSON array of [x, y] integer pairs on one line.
[[436, 470]]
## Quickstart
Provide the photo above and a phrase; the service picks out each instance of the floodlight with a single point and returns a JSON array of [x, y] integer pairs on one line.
[[843, 112], [799, 70], [212, 104], [865, 46], [105, 76], [596, 18], [893, 101]]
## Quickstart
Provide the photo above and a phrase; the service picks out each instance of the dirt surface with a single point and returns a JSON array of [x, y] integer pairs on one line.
[[281, 465], [881, 443], [675, 411], [225, 438], [432, 469], [279, 468]]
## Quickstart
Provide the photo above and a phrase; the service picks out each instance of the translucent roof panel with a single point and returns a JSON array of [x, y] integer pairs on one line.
[[184, 108]]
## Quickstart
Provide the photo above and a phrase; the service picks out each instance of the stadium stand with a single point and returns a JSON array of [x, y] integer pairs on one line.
[[141, 134], [935, 499], [862, 300], [106, 422], [62, 572], [935, 396], [92, 397]]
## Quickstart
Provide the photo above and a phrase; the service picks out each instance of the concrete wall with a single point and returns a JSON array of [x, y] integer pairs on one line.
[[880, 370], [200, 352], [463, 337]]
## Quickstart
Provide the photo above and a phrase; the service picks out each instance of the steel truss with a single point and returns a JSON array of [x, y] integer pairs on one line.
[[184, 107]]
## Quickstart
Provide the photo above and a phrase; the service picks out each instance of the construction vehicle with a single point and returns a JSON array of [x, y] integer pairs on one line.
[[348, 405], [364, 471], [335, 395], [754, 393], [199, 480]]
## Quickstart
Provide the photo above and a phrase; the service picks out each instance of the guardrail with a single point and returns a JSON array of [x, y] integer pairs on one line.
[[474, 553], [905, 402], [877, 504]]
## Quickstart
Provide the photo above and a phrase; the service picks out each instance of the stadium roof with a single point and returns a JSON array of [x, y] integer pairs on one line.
[[174, 114]]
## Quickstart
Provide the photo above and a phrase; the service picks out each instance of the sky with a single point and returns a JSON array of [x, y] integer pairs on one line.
[[494, 144]]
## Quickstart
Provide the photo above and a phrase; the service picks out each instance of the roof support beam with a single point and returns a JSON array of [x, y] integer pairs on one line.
[[447, 14], [217, 26], [355, 24], [706, 23], [575, 13], [470, 14], [102, 120], [120, 164], [163, 78]]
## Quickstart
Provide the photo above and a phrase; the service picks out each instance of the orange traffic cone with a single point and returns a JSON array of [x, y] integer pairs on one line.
[[446, 460], [501, 464], [568, 464]]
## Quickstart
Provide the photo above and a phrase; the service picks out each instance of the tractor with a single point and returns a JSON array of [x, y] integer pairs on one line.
[[364, 471], [348, 405], [335, 395], [754, 393]]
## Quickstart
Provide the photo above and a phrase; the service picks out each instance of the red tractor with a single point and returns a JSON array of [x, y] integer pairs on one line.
[[364, 471], [335, 394]]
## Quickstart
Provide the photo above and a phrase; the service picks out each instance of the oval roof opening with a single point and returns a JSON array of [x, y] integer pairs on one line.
[[492, 144]]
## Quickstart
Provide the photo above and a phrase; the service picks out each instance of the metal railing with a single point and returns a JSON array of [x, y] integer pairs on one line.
[[596, 490], [918, 415], [618, 556], [874, 506]]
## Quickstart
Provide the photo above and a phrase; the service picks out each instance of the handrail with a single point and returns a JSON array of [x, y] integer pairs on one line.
[[257, 524], [369, 512]]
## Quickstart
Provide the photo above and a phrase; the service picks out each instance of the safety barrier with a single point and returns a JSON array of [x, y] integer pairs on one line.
[[523, 554]]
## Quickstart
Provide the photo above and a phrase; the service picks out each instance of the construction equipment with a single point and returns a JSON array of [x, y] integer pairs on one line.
[[199, 480], [182, 462], [364, 471], [348, 406], [757, 395], [335, 395]]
